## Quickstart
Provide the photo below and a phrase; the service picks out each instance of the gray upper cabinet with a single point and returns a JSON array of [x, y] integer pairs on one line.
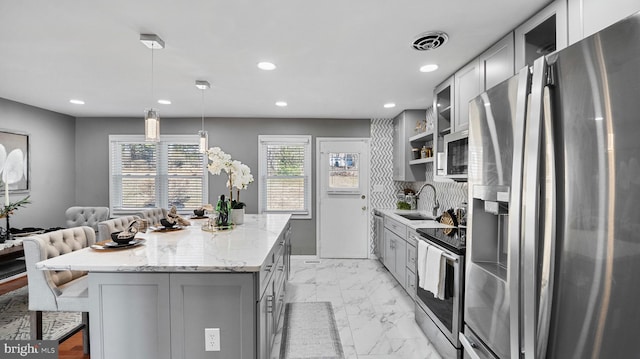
[[444, 108], [586, 17], [542, 34], [404, 126], [497, 63], [468, 84]]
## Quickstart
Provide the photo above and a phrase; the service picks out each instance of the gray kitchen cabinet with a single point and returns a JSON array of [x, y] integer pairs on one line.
[[411, 279], [404, 126], [167, 313], [287, 251], [265, 324], [212, 300], [443, 106], [395, 255], [396, 251], [586, 17], [497, 62], [390, 240], [468, 84], [542, 34], [400, 248], [273, 275], [139, 307]]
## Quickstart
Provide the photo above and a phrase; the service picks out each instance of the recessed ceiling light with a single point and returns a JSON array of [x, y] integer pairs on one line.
[[389, 105], [268, 66], [164, 102], [429, 68], [76, 102], [281, 104]]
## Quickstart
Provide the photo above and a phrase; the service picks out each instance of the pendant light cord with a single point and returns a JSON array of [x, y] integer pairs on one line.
[[152, 48], [202, 110]]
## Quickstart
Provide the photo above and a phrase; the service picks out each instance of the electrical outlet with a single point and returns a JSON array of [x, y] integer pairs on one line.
[[212, 339], [378, 188]]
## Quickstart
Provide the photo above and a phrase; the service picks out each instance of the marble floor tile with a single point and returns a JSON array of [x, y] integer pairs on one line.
[[374, 314]]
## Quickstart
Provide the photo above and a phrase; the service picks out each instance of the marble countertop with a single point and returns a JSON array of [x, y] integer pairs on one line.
[[242, 249], [414, 224]]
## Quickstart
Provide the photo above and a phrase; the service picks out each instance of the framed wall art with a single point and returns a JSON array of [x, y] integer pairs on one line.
[[14, 160]]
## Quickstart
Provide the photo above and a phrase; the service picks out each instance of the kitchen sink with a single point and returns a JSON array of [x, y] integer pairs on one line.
[[415, 216]]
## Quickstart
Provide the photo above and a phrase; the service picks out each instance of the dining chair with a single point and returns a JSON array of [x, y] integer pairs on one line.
[[153, 215], [105, 228], [86, 216], [63, 291]]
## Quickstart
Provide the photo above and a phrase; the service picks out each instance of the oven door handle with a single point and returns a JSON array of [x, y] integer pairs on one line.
[[445, 253], [450, 257]]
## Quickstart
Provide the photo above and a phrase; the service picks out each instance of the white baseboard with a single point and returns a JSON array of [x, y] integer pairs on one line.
[[304, 257]]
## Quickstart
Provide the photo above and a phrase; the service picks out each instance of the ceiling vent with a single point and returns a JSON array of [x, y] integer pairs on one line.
[[430, 40]]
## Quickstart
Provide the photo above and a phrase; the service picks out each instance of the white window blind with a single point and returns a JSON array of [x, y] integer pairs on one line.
[[285, 175], [149, 174]]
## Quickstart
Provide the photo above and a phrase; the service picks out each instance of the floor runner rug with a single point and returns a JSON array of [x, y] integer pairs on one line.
[[14, 318], [310, 331]]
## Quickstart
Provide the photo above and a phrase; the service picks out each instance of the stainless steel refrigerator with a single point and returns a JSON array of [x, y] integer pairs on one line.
[[553, 244]]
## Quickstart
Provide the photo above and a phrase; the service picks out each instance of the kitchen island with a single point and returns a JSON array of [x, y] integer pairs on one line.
[[155, 300]]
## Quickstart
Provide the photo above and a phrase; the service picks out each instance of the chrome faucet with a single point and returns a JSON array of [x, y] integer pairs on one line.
[[436, 205]]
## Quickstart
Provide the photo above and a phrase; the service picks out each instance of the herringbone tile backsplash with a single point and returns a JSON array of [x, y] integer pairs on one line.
[[449, 194]]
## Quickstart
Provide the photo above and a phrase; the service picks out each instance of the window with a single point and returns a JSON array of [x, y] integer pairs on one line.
[[285, 175], [161, 174], [344, 173]]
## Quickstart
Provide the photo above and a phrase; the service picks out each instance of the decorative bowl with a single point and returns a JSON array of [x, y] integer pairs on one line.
[[198, 212], [166, 223], [124, 240]]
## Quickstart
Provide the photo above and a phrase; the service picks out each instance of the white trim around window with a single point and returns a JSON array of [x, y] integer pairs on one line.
[[158, 174], [284, 173]]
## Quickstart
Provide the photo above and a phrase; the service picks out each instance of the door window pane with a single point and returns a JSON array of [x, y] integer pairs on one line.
[[344, 171]]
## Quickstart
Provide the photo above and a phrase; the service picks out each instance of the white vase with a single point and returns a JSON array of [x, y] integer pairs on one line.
[[237, 216]]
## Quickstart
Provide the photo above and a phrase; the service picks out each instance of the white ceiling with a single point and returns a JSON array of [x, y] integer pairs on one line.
[[335, 58]]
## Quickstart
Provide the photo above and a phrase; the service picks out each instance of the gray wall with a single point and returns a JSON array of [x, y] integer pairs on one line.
[[236, 136], [52, 158]]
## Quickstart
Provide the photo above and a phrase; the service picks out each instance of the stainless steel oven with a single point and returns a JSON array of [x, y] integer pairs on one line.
[[441, 319]]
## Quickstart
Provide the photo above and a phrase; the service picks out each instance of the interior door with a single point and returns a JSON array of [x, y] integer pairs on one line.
[[342, 168]]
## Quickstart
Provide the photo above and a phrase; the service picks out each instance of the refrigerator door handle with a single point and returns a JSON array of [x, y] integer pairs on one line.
[[516, 209], [531, 202], [469, 347], [549, 230]]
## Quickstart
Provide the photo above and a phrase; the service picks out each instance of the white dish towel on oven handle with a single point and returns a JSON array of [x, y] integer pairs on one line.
[[435, 270], [423, 247]]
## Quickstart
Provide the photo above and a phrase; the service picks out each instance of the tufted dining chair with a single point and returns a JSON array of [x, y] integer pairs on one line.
[[86, 216], [105, 228], [63, 291], [153, 215]]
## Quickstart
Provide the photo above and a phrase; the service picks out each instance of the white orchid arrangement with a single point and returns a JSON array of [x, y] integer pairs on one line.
[[12, 170], [239, 174]]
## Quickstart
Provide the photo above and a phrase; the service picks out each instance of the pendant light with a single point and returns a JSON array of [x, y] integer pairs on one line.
[[151, 116], [204, 136]]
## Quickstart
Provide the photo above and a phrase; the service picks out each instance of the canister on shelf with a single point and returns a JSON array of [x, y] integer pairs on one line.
[[416, 153], [424, 152]]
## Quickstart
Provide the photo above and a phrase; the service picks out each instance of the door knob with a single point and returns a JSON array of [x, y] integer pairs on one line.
[[363, 197], [364, 208]]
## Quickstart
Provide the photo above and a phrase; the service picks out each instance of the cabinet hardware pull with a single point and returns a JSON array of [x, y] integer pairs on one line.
[[269, 304]]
